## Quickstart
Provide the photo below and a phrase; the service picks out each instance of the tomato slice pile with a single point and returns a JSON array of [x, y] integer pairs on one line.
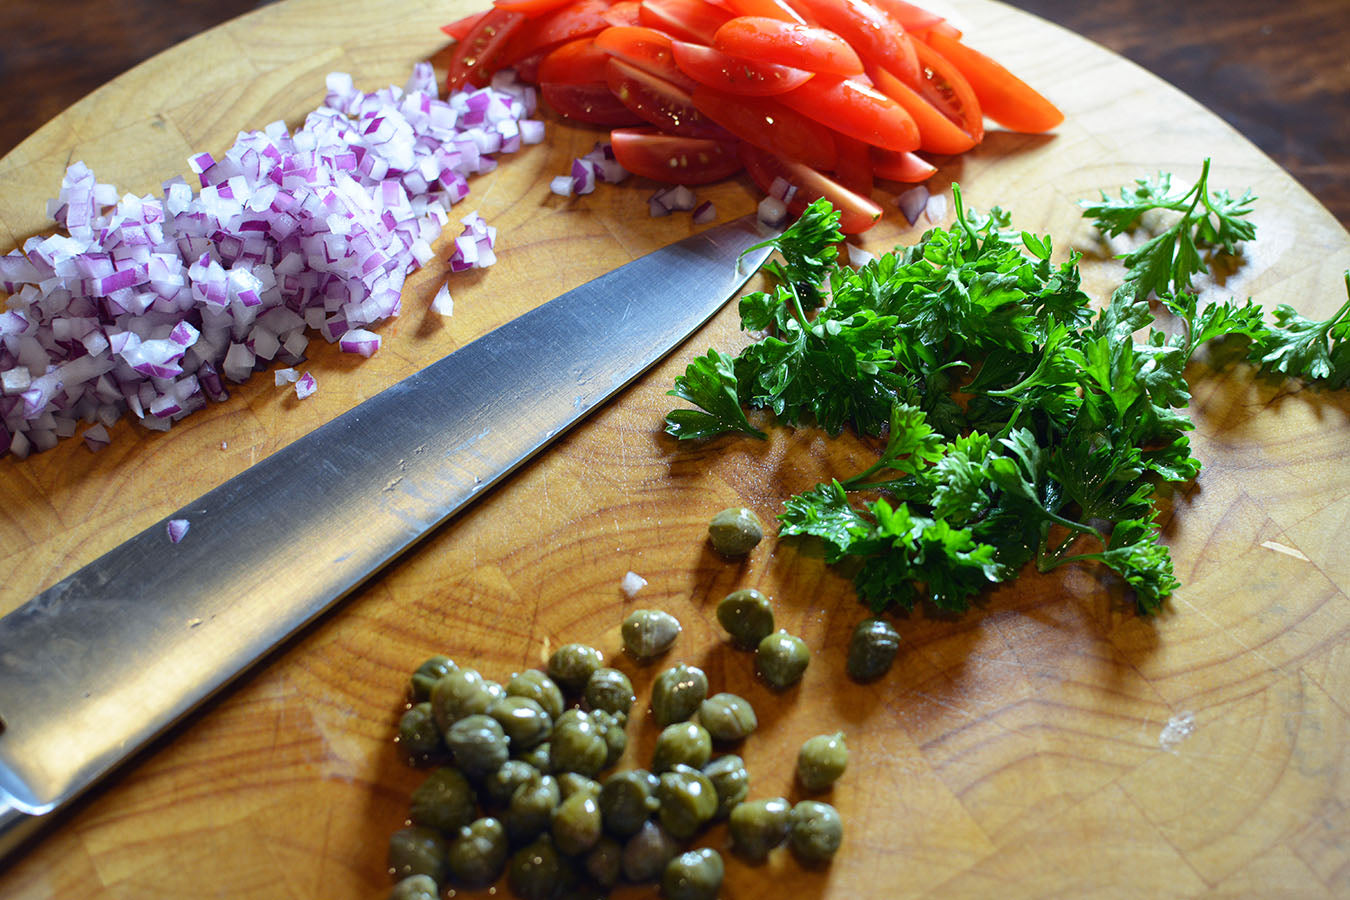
[[827, 95]]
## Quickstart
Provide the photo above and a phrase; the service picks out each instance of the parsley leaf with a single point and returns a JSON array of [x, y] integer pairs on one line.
[[709, 382], [1301, 347]]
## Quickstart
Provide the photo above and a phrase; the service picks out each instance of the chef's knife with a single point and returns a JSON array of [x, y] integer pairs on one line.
[[99, 664]]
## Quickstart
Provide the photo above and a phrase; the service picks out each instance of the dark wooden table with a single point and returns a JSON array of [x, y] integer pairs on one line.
[[1276, 71]]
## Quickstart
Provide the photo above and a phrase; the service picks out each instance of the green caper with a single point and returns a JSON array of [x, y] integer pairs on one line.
[[685, 743], [747, 616], [572, 664], [444, 801], [498, 787], [646, 853], [677, 693], [478, 745], [688, 800], [696, 875], [478, 853], [427, 674], [538, 756], [612, 726], [576, 824], [460, 693], [730, 779], [531, 807], [735, 531], [417, 850], [415, 887], [872, 649], [781, 658], [570, 783], [648, 633], [727, 717], [610, 690], [604, 862], [419, 737], [758, 826], [537, 686], [821, 760], [578, 746], [535, 870], [816, 831], [627, 800], [525, 722]]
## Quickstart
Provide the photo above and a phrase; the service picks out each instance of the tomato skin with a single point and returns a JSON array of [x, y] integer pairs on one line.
[[592, 103], [912, 18], [947, 89], [655, 100], [460, 28], [857, 110], [1003, 96], [575, 62], [772, 9], [688, 20], [788, 44], [582, 18], [478, 55], [937, 133], [769, 125], [736, 75], [625, 12], [646, 48], [874, 35], [530, 8], [903, 167], [854, 167], [673, 159], [856, 212]]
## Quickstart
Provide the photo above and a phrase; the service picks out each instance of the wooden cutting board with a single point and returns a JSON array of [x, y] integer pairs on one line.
[[1016, 752]]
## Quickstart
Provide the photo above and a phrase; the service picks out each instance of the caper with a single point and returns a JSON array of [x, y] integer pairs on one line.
[[727, 717], [688, 800], [576, 824], [498, 787], [427, 674], [460, 693], [478, 745], [627, 800], [730, 779], [444, 801], [758, 826], [535, 870], [610, 690], [525, 722], [821, 760], [648, 633], [538, 756], [646, 853], [478, 853], [537, 686], [604, 862], [578, 746], [677, 693], [686, 743], [417, 850], [419, 737], [570, 783], [612, 727], [735, 531], [415, 887], [872, 649], [816, 831], [781, 658], [696, 875], [747, 616], [572, 664], [530, 810]]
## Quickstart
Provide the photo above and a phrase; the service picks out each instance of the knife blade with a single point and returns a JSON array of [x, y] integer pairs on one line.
[[102, 662]]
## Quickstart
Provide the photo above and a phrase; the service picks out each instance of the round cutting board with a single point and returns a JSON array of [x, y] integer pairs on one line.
[[1049, 743]]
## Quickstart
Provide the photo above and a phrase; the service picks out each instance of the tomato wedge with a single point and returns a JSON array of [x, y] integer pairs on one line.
[[768, 124], [592, 103], [655, 100], [857, 110], [460, 28], [576, 62], [912, 18], [856, 212], [788, 44], [873, 34], [530, 7], [625, 12], [583, 18], [674, 159], [904, 167], [854, 168], [1004, 97], [689, 20], [772, 9], [477, 55], [937, 133], [735, 74], [646, 48], [947, 89]]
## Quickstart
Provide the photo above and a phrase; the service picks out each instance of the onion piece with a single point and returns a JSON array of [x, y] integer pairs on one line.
[[704, 213], [286, 376], [631, 584], [912, 202], [443, 303], [772, 211], [936, 209], [306, 386], [359, 340], [178, 529]]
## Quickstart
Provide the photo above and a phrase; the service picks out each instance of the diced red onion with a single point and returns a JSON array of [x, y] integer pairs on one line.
[[178, 529], [286, 376], [583, 176], [912, 202], [936, 209], [631, 584], [442, 303], [358, 340], [306, 386], [782, 189], [704, 213], [772, 211], [857, 256], [561, 185], [97, 437]]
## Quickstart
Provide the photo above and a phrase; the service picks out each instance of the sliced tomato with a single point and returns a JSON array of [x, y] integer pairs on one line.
[[527, 69], [477, 56], [583, 18], [856, 212], [912, 18], [772, 9], [937, 133], [460, 28], [906, 167], [688, 20], [646, 48], [736, 74], [674, 159], [625, 12], [591, 103], [874, 35], [855, 109], [769, 125], [854, 167], [530, 7], [945, 27], [788, 44], [1004, 97], [942, 85], [655, 100], [575, 62]]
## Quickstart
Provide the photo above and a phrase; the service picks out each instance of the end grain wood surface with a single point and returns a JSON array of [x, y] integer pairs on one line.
[[1050, 743]]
